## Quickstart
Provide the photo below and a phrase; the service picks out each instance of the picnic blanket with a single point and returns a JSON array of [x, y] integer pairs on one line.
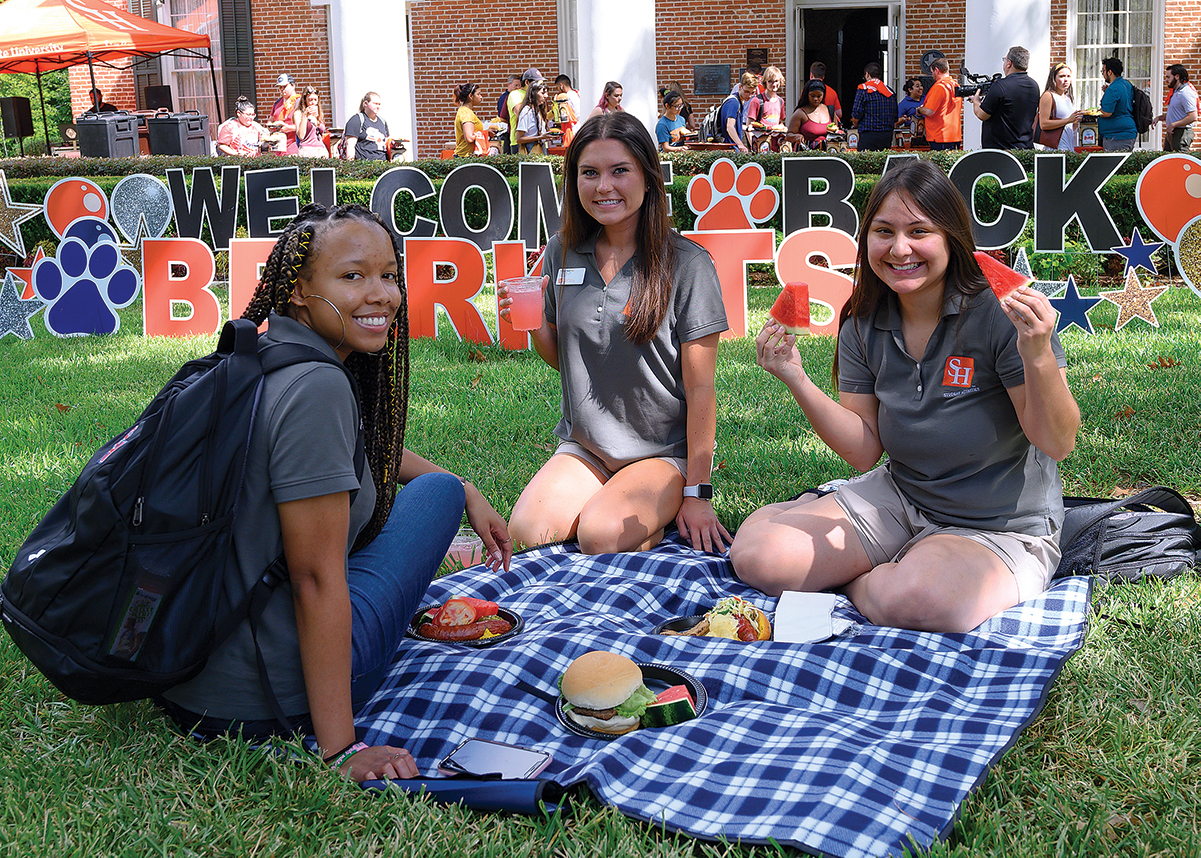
[[860, 745]]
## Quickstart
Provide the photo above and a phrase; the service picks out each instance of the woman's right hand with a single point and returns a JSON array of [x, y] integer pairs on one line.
[[776, 352], [504, 302], [382, 761]]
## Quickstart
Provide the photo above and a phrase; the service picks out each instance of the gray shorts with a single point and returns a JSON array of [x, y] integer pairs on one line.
[[581, 452], [889, 525]]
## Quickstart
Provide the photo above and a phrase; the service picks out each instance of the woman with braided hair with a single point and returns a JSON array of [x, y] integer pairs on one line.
[[360, 551]]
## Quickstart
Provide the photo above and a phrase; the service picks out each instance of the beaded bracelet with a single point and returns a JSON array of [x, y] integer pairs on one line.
[[341, 759]]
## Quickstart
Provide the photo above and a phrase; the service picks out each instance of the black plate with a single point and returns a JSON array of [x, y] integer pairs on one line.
[[683, 624], [678, 624], [515, 619], [656, 677]]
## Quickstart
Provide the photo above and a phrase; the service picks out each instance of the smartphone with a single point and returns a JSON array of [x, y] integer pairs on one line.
[[485, 757]]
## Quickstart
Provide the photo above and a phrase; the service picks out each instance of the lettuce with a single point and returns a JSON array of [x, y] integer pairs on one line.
[[636, 703]]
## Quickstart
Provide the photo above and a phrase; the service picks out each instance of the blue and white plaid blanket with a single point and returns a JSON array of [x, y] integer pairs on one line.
[[857, 746]]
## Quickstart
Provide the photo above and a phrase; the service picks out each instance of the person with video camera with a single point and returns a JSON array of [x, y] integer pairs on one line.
[[1008, 105]]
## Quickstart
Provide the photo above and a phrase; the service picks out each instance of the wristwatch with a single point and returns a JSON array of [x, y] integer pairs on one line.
[[704, 491]]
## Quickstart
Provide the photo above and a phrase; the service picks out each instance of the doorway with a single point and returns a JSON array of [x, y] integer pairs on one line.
[[846, 35]]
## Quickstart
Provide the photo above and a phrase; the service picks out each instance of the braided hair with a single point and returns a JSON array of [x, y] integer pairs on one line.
[[383, 377]]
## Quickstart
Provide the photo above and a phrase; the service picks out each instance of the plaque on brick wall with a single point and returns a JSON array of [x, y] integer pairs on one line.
[[711, 79], [756, 60]]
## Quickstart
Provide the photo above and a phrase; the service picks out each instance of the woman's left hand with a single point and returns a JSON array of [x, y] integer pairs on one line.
[[699, 524], [1034, 317], [491, 528]]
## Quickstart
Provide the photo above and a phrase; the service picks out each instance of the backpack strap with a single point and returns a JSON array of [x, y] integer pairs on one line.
[[1093, 510]]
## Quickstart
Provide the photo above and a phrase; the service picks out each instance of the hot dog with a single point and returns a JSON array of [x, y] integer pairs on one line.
[[468, 632]]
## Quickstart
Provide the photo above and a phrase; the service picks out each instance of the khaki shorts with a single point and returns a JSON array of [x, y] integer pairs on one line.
[[581, 452], [889, 525]]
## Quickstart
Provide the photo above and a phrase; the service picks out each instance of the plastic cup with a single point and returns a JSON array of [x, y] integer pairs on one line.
[[525, 313], [466, 548]]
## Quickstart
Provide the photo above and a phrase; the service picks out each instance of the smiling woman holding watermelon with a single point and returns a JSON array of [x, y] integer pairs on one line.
[[966, 394]]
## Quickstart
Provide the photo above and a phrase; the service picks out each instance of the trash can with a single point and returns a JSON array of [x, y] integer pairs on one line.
[[184, 133], [107, 135]]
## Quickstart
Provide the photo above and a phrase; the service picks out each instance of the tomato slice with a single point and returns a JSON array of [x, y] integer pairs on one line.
[[456, 612], [483, 608]]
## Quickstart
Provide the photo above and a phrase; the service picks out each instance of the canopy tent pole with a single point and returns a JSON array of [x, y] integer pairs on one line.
[[42, 99], [216, 94], [92, 75]]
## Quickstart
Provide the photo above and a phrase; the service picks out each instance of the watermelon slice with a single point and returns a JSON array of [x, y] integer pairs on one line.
[[673, 706], [791, 309], [1003, 279]]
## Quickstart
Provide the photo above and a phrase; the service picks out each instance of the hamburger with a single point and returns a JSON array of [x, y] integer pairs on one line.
[[603, 691]]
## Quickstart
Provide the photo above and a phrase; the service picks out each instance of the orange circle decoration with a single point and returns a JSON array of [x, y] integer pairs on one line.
[[1168, 194], [70, 199]]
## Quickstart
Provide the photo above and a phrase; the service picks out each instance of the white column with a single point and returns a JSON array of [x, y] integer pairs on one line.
[[617, 42], [369, 51], [993, 27]]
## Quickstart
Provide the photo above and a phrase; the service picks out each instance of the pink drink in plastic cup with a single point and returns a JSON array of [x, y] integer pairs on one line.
[[466, 548], [525, 313]]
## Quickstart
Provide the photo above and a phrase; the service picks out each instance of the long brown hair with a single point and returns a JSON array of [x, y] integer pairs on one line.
[[937, 199], [654, 257], [383, 377]]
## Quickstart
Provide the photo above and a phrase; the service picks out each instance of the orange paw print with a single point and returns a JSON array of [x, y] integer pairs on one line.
[[730, 197]]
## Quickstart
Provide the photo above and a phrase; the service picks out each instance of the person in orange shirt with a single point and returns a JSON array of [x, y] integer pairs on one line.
[[942, 109]]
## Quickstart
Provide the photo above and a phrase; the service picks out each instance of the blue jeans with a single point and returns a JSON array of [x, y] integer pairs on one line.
[[389, 576]]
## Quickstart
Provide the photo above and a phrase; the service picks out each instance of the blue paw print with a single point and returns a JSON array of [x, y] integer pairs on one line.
[[86, 283]]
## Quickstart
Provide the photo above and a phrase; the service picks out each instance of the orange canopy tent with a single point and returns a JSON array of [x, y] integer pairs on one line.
[[44, 35]]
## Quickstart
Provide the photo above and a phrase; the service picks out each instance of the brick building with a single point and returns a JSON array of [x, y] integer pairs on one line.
[[414, 53]]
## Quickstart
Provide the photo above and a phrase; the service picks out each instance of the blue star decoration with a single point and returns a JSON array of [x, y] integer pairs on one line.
[[1073, 310], [1138, 254], [15, 311]]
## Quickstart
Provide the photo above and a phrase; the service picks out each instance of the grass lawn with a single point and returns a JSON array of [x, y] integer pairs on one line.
[[1111, 767]]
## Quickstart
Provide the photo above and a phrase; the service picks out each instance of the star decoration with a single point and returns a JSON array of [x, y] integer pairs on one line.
[[25, 275], [1134, 301], [1138, 254], [1021, 264], [12, 215], [1073, 310], [15, 311]]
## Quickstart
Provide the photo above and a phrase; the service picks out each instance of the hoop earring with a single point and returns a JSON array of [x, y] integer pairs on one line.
[[340, 319]]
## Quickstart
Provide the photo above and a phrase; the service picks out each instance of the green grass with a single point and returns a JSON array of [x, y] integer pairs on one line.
[[1111, 767]]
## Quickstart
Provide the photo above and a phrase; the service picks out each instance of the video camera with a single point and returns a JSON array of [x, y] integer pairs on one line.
[[979, 83]]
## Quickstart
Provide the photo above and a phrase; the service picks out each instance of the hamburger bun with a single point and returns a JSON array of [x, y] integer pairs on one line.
[[597, 682]]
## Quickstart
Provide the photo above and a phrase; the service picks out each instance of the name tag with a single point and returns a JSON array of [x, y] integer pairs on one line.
[[570, 277]]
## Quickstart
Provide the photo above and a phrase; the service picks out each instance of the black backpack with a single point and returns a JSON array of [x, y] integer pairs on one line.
[[119, 593], [1144, 113], [711, 130], [1152, 533]]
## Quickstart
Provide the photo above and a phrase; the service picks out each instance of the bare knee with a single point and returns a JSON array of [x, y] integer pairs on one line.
[[891, 596], [528, 530], [757, 563], [606, 534]]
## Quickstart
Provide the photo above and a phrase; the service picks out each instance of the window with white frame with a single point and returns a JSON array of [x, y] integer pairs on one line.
[[190, 77], [1105, 28]]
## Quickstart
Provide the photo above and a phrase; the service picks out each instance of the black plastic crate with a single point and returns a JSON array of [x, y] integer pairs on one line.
[[184, 133], [108, 135]]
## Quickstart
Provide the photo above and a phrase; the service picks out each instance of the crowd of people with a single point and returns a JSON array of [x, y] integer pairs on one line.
[[537, 116]]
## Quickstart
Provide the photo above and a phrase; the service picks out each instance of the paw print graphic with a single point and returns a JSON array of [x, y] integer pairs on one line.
[[84, 286], [730, 197]]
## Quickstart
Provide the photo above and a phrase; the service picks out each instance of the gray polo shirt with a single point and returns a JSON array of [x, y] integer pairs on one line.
[[302, 447], [621, 400], [954, 443]]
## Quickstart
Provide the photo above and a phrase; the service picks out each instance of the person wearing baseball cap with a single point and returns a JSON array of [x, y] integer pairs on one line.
[[516, 99], [282, 113]]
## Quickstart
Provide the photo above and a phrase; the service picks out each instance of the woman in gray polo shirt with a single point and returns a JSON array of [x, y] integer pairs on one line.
[[968, 397], [633, 313]]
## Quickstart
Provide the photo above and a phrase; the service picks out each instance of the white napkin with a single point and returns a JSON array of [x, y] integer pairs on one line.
[[804, 617]]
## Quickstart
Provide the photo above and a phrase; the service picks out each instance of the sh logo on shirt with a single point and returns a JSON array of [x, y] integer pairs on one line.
[[958, 372]]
